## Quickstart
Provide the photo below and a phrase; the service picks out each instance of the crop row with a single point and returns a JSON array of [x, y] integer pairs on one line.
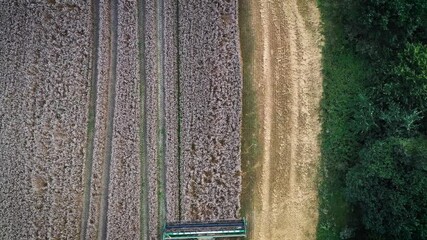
[[210, 105], [151, 117], [45, 53]]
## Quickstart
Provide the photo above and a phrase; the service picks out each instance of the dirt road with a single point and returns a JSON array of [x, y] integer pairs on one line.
[[285, 74]]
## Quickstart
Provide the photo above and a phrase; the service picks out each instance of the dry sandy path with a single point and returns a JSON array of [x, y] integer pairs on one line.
[[287, 78]]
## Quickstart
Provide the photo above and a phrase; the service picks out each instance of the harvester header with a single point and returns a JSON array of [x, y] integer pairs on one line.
[[205, 230]]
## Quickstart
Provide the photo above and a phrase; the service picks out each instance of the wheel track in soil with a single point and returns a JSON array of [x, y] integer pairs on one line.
[[102, 228], [161, 131], [178, 84], [91, 120], [143, 122]]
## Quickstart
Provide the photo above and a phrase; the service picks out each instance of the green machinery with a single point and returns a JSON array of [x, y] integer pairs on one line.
[[205, 230]]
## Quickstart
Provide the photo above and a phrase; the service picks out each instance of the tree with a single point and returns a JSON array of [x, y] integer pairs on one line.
[[389, 186], [410, 78], [385, 25]]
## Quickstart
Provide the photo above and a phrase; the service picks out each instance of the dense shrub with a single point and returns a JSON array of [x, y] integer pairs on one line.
[[399, 94], [386, 182], [409, 77], [389, 185], [381, 26]]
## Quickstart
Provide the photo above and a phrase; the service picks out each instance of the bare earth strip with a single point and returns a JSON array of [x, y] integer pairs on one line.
[[287, 79]]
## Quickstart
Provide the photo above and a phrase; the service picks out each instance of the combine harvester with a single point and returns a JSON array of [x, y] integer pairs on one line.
[[205, 230]]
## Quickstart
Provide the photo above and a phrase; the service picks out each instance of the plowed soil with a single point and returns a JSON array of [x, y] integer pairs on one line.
[[285, 74]]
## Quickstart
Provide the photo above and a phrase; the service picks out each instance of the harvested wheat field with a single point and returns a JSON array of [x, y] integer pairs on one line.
[[283, 71], [117, 116]]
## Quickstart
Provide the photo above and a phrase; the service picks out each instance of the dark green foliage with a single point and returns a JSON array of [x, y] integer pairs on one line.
[[374, 145], [382, 26], [365, 116], [403, 81], [343, 74], [400, 93], [410, 78], [396, 121], [389, 185]]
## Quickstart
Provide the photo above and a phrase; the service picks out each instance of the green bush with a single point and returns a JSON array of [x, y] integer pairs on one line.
[[409, 78], [373, 145], [389, 186], [400, 94], [382, 26]]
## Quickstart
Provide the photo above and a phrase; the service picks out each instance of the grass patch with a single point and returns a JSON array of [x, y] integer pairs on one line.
[[250, 127], [344, 75]]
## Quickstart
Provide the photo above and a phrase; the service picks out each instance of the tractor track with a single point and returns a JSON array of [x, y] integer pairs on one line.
[[102, 228], [161, 131], [179, 115], [143, 122], [91, 119]]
